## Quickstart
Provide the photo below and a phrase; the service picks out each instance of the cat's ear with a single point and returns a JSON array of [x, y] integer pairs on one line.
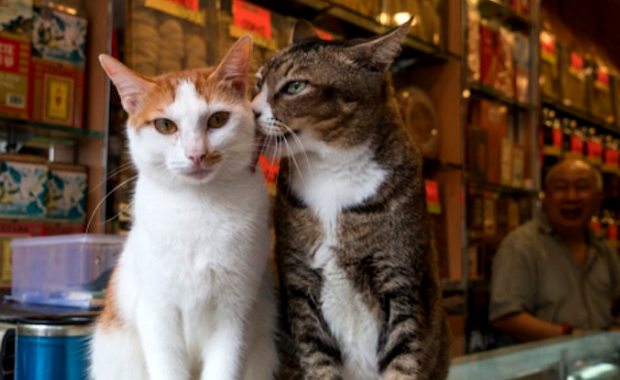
[[235, 66], [131, 87], [380, 52], [303, 31]]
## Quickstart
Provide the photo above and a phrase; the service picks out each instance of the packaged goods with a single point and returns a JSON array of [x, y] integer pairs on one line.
[[600, 92], [418, 113], [506, 162], [594, 148], [477, 153], [473, 45], [552, 134], [57, 69], [506, 70], [550, 83], [522, 67], [518, 166], [66, 192], [490, 57], [610, 168], [493, 118], [574, 80], [23, 186], [15, 52]]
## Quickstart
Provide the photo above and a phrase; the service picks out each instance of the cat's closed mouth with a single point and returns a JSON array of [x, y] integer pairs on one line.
[[199, 173]]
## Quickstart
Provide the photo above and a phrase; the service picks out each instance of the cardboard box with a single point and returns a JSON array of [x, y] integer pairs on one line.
[[66, 192], [489, 55], [23, 186]]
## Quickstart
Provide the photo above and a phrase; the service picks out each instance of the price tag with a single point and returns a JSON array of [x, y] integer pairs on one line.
[[602, 78], [547, 45], [596, 226], [557, 138], [576, 145], [612, 157], [433, 204], [252, 18], [576, 63], [324, 34], [188, 4]]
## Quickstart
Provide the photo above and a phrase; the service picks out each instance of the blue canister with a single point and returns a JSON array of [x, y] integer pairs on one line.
[[52, 348]]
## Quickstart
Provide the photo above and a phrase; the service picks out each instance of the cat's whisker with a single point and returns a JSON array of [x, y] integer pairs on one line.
[[292, 157], [301, 146], [92, 217], [119, 213], [113, 173]]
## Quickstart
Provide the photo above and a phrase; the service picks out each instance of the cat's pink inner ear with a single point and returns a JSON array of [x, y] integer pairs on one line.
[[131, 87], [236, 64]]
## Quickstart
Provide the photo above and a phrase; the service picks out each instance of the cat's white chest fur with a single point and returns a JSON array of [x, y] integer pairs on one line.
[[342, 180]]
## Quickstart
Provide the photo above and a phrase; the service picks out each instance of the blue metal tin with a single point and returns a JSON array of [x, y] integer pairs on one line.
[[52, 349]]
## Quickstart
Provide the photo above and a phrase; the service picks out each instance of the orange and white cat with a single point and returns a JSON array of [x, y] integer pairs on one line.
[[191, 297]]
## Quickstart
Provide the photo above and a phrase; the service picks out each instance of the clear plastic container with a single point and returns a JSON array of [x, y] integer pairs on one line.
[[68, 270]]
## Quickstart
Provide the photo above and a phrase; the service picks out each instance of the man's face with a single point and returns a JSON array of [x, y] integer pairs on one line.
[[571, 196]]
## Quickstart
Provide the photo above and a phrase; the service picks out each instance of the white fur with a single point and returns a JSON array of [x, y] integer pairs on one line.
[[193, 283], [339, 179]]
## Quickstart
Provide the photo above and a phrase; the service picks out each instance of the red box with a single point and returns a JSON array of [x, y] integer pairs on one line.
[[14, 77], [58, 93]]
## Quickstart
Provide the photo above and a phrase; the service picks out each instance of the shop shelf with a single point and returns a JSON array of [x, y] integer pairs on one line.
[[582, 117], [436, 165], [495, 9], [482, 91], [452, 286], [501, 189], [350, 24], [16, 130]]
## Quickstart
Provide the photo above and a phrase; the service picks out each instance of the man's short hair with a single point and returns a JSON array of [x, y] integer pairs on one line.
[[598, 178]]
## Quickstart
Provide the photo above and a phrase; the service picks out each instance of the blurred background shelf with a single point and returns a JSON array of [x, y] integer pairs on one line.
[[16, 131], [581, 116], [482, 91], [498, 10], [501, 189]]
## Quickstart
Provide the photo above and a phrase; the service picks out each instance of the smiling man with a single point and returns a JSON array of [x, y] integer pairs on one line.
[[554, 276]]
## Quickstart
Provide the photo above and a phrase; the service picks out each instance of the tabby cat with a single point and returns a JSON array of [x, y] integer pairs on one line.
[[358, 273]]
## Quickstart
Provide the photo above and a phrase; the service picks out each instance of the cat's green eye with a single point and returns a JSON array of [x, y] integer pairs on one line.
[[295, 87], [165, 126], [218, 119]]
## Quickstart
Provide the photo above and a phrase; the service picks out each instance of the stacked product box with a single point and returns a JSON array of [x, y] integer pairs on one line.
[[66, 192], [57, 68], [15, 30]]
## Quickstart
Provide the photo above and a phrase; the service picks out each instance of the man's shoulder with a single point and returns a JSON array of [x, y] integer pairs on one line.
[[523, 237]]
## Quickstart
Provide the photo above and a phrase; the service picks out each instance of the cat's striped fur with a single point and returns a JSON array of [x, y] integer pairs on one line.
[[360, 287]]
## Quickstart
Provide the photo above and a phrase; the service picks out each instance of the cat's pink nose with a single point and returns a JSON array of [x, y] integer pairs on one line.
[[197, 158]]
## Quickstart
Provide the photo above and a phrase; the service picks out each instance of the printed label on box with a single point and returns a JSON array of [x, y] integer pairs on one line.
[[576, 65], [59, 37], [15, 17], [602, 78], [22, 189], [185, 9], [66, 195], [547, 45], [58, 99], [252, 18], [433, 204], [14, 70]]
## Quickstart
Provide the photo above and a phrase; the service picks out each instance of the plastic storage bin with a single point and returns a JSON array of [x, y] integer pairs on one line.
[[69, 270]]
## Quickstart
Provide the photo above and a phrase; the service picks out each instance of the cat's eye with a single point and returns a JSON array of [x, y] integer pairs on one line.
[[295, 87], [218, 119], [165, 126]]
